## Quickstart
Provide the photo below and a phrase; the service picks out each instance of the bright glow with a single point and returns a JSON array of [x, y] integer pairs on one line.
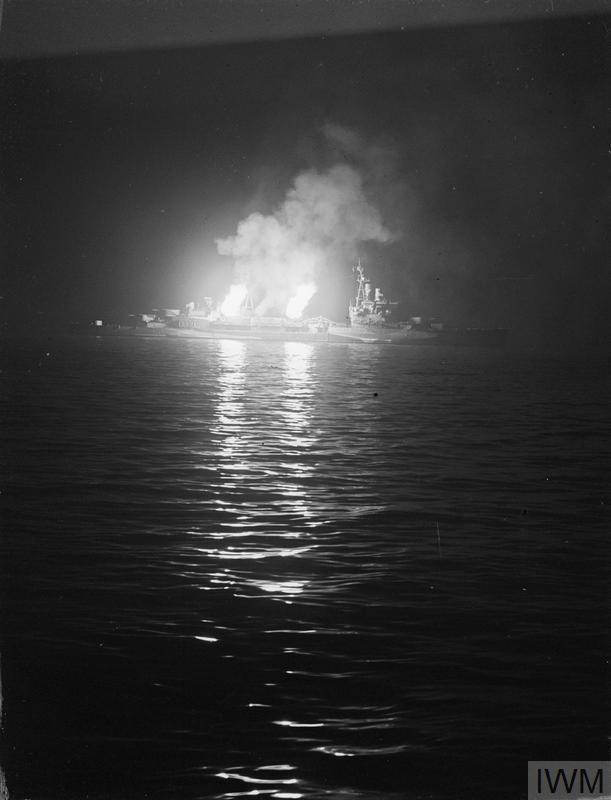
[[230, 307], [288, 795], [283, 587], [276, 767], [287, 723], [299, 301], [247, 779], [332, 751]]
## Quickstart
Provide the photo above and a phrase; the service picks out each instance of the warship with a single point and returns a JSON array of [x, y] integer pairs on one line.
[[370, 320]]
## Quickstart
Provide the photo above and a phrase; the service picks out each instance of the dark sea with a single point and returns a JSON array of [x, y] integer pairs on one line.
[[282, 570]]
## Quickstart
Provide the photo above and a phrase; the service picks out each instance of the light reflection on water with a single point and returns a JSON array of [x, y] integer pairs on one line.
[[229, 417], [249, 545], [288, 416]]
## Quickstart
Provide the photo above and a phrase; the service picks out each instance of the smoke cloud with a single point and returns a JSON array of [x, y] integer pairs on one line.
[[324, 218]]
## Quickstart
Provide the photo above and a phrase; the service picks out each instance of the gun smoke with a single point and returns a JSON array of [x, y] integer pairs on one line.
[[323, 219]]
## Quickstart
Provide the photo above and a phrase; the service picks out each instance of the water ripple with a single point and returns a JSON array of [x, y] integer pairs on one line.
[[276, 563]]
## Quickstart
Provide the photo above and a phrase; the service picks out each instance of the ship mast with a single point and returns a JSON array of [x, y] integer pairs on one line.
[[360, 291]]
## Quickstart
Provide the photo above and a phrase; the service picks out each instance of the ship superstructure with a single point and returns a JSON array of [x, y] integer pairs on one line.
[[365, 308], [206, 320], [370, 318]]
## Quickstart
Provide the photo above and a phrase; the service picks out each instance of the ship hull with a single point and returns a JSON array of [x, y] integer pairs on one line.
[[358, 334], [450, 337], [247, 334], [456, 337], [370, 334]]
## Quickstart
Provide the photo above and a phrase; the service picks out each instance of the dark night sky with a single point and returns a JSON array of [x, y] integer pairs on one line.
[[121, 169]]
